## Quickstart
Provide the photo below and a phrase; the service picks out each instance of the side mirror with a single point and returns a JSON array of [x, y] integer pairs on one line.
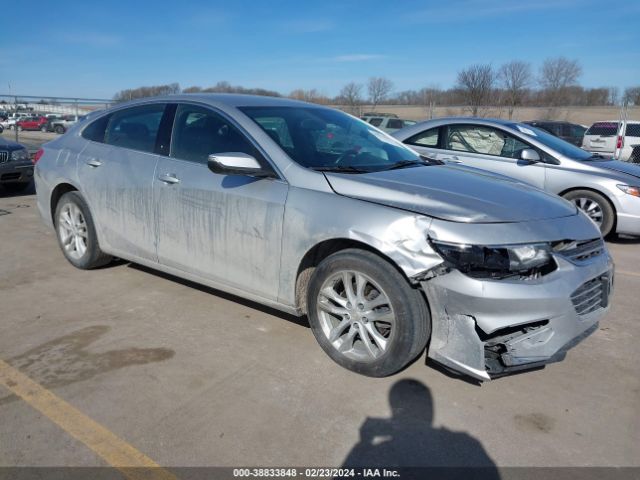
[[236, 163], [530, 155]]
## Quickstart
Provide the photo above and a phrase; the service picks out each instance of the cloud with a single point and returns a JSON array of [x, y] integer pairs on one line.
[[357, 57]]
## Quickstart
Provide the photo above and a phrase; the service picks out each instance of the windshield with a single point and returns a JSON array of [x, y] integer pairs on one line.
[[555, 143], [330, 140]]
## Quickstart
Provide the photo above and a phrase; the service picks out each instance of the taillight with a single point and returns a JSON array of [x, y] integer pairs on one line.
[[37, 156], [619, 142]]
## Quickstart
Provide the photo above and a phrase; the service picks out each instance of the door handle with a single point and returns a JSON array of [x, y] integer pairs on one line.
[[93, 162], [169, 178]]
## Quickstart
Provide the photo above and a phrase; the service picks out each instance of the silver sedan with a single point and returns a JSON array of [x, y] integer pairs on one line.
[[312, 211], [607, 190]]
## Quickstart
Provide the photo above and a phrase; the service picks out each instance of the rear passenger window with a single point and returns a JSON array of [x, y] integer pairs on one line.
[[603, 128], [95, 130], [375, 122], [394, 123], [633, 130], [135, 127], [199, 132], [428, 138]]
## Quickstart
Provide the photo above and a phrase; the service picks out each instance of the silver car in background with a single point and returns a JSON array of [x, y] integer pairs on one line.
[[607, 190], [312, 211]]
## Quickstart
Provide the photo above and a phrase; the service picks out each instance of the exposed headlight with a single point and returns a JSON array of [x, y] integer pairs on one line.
[[20, 154], [498, 261], [631, 190]]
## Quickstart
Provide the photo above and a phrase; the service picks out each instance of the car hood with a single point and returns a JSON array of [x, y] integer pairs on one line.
[[618, 166], [450, 193], [9, 145]]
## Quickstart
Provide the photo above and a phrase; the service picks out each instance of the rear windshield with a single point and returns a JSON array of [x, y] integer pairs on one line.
[[603, 128], [633, 130]]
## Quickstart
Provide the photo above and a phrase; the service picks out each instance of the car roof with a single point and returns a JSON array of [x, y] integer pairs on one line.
[[229, 99]]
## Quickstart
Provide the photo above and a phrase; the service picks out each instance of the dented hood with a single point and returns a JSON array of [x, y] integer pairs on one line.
[[450, 193]]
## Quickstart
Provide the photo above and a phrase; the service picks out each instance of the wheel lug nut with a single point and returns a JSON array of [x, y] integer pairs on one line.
[[360, 306], [364, 319]]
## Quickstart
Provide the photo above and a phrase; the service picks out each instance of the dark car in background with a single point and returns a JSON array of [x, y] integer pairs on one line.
[[16, 168], [569, 132]]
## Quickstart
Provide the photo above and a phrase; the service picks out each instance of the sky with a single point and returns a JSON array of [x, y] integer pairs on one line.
[[94, 49]]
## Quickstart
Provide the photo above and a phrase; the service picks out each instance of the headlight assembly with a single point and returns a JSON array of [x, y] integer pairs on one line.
[[631, 190], [20, 154], [498, 261]]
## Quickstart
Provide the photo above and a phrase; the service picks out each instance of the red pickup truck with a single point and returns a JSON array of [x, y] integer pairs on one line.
[[32, 123]]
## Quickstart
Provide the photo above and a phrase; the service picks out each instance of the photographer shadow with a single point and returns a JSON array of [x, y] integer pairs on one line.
[[409, 440]]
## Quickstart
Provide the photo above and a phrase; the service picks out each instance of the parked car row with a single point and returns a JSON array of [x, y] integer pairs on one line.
[[45, 123], [389, 245]]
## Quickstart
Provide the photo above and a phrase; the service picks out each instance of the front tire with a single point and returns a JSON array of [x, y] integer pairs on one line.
[[365, 315], [76, 233], [596, 207], [59, 129]]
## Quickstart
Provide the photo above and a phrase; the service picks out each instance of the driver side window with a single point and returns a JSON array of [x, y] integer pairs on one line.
[[199, 132], [483, 140]]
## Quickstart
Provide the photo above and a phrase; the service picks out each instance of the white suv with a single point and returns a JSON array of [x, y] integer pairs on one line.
[[388, 124], [613, 138]]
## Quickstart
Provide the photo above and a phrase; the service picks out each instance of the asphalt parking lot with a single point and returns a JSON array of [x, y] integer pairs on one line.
[[189, 376]]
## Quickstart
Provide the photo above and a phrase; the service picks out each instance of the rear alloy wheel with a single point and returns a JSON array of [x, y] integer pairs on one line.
[[76, 233], [596, 207], [365, 315], [59, 129]]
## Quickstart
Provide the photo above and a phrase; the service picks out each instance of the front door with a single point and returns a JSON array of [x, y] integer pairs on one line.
[[490, 149], [226, 228]]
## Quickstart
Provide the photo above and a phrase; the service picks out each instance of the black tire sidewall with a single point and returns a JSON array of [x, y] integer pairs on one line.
[[608, 221], [93, 253], [408, 339]]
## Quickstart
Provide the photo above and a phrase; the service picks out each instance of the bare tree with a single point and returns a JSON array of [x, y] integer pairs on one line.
[[351, 95], [379, 89], [515, 78], [556, 76], [141, 92], [632, 95], [476, 85]]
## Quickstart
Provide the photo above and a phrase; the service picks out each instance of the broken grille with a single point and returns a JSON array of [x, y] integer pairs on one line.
[[581, 251], [4, 157], [591, 296]]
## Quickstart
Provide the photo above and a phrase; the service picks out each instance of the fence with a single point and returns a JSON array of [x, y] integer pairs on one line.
[[41, 105]]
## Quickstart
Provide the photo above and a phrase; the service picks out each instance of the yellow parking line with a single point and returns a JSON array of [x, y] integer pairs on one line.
[[133, 464], [623, 272]]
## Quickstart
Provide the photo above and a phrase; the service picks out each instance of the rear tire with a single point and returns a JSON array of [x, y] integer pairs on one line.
[[596, 206], [59, 129], [375, 327], [76, 233]]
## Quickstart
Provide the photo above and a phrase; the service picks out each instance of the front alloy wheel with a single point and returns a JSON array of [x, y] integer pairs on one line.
[[356, 315], [364, 313], [597, 208]]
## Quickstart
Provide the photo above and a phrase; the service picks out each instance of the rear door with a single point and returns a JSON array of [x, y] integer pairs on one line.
[[491, 149], [601, 137], [116, 171], [226, 228]]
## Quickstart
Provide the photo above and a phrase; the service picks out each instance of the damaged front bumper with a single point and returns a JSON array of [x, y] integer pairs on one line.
[[489, 328]]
